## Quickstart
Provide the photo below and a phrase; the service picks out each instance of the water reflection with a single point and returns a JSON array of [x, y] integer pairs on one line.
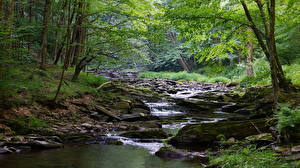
[[91, 156]]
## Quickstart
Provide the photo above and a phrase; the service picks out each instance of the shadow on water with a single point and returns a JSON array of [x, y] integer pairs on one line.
[[91, 156]]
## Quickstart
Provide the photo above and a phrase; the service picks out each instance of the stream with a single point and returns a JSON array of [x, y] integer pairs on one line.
[[134, 153]]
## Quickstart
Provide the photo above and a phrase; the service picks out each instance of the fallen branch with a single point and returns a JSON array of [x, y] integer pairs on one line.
[[101, 86], [107, 113]]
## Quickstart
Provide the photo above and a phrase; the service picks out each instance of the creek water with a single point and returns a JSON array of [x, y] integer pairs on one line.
[[91, 156]]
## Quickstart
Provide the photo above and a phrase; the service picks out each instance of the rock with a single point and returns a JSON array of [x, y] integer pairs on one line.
[[231, 84], [87, 125], [296, 149], [138, 117], [139, 111], [146, 134], [113, 142], [45, 144], [124, 105], [5, 151], [293, 157], [172, 153], [261, 137], [232, 107], [204, 135]]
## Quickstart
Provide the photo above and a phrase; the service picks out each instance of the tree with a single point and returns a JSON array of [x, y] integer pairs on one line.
[[199, 21], [44, 45]]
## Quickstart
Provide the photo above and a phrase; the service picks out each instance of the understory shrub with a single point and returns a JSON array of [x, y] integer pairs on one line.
[[249, 157], [287, 117]]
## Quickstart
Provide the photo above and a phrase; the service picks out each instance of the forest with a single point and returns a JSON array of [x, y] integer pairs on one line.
[[172, 83]]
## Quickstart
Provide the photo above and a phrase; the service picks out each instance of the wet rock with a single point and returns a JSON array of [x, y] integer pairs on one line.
[[5, 151], [139, 111], [232, 107], [146, 134], [76, 137], [172, 153], [45, 144], [138, 117], [206, 134]]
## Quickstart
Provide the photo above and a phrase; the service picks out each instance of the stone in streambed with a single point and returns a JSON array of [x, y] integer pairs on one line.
[[146, 134], [45, 144], [5, 151], [206, 134], [172, 153]]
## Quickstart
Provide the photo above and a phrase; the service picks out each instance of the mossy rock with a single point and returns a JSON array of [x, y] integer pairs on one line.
[[147, 134], [206, 134]]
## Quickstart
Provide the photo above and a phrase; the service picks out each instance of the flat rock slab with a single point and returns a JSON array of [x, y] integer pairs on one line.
[[207, 134]]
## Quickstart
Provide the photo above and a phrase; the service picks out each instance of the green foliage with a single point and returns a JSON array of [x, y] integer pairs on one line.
[[261, 74], [28, 84], [287, 117], [249, 157], [183, 76], [219, 79], [293, 73], [91, 80], [24, 125]]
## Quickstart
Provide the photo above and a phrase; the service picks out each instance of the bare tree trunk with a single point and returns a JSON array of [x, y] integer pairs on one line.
[[44, 52], [249, 60], [183, 64]]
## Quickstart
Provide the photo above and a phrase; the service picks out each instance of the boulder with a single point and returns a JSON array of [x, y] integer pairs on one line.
[[146, 134], [172, 153], [206, 134], [5, 151], [45, 144]]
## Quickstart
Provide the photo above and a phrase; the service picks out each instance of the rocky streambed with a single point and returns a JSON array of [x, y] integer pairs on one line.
[[170, 119]]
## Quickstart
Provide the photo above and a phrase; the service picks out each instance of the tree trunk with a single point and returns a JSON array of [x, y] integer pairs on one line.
[[249, 60], [8, 22], [184, 65], [83, 62], [269, 47], [1, 10], [30, 14], [44, 52]]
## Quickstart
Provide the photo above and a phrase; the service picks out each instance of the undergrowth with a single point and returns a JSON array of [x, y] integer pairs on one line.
[[249, 157], [28, 84], [287, 117]]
